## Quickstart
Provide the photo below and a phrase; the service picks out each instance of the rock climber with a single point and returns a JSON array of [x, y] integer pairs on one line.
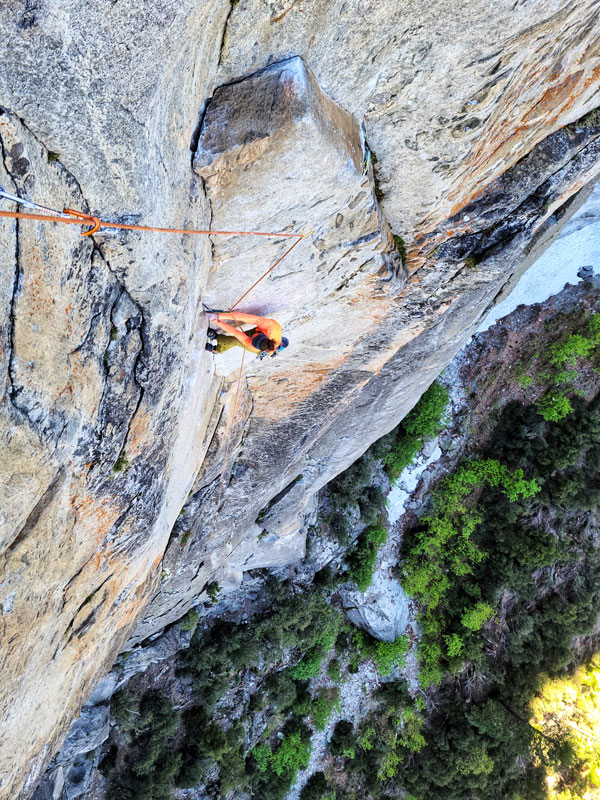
[[264, 338]]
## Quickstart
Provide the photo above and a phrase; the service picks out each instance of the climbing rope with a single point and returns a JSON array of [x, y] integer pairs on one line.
[[79, 218], [71, 217], [264, 275]]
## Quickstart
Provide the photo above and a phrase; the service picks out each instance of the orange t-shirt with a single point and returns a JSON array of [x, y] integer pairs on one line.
[[271, 328]]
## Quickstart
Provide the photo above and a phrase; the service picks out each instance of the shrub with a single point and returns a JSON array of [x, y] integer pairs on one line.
[[212, 590], [474, 618], [305, 621], [576, 346], [303, 701], [124, 709], [324, 638], [428, 417], [454, 645], [391, 654], [232, 767], [262, 755], [553, 406], [444, 545], [281, 689], [189, 621], [402, 455], [310, 664], [347, 487], [291, 755], [324, 704], [258, 701], [338, 524], [371, 502], [363, 556], [334, 670]]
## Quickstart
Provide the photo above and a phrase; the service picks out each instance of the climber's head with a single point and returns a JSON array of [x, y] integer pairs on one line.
[[268, 345], [262, 342]]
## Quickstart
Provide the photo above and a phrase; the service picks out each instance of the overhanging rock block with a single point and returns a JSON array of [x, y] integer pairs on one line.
[[275, 148]]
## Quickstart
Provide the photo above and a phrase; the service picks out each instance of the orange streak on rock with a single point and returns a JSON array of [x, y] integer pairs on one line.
[[139, 430]]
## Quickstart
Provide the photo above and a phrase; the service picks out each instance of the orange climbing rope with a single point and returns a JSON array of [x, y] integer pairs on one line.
[[264, 275], [72, 217], [79, 218]]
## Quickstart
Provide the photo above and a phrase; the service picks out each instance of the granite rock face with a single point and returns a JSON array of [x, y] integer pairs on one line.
[[313, 405], [104, 377], [451, 95], [132, 477]]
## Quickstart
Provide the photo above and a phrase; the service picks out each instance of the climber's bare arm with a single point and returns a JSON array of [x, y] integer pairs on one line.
[[239, 335], [239, 316]]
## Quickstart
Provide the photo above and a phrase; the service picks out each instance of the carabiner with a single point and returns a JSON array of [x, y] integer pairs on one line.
[[88, 218]]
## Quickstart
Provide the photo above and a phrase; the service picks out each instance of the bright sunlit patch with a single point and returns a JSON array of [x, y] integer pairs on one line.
[[567, 714]]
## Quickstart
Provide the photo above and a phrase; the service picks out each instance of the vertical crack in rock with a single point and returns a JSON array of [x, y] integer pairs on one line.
[[16, 288], [127, 324], [69, 177], [232, 4], [97, 250], [196, 134], [30, 407]]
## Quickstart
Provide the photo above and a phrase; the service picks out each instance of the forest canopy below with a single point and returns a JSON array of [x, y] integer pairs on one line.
[[504, 565]]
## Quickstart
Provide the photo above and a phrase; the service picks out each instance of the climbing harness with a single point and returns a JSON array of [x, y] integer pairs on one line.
[[71, 217]]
